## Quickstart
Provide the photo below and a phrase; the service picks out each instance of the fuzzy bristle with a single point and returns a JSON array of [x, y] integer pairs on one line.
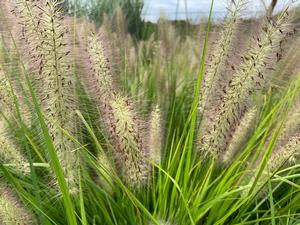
[[24, 22], [6, 96], [285, 154], [221, 51], [155, 136], [248, 78], [58, 101], [240, 134], [122, 124], [12, 212], [48, 62], [9, 152], [120, 120], [100, 65], [37, 27], [287, 148]]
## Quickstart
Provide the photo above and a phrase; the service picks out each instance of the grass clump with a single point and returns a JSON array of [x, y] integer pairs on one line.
[[98, 128]]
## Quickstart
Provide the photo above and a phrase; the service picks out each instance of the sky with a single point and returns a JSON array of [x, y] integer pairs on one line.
[[197, 9]]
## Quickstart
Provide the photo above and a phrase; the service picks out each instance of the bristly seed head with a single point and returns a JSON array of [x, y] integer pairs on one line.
[[155, 136], [124, 131], [121, 122], [11, 210], [245, 80], [240, 134], [100, 76], [221, 50], [9, 152], [47, 57], [285, 154]]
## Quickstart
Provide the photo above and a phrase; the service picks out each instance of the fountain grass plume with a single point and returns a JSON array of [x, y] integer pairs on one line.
[[155, 135], [58, 101], [126, 135], [41, 34], [100, 77], [12, 212], [290, 64], [9, 152], [121, 122], [240, 135], [23, 19], [287, 150], [286, 154], [292, 124], [221, 50], [248, 78], [6, 96]]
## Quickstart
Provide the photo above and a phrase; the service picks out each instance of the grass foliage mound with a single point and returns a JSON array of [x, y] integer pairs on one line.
[[98, 128]]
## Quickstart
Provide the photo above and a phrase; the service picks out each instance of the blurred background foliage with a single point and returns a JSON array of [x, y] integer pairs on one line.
[[97, 10]]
